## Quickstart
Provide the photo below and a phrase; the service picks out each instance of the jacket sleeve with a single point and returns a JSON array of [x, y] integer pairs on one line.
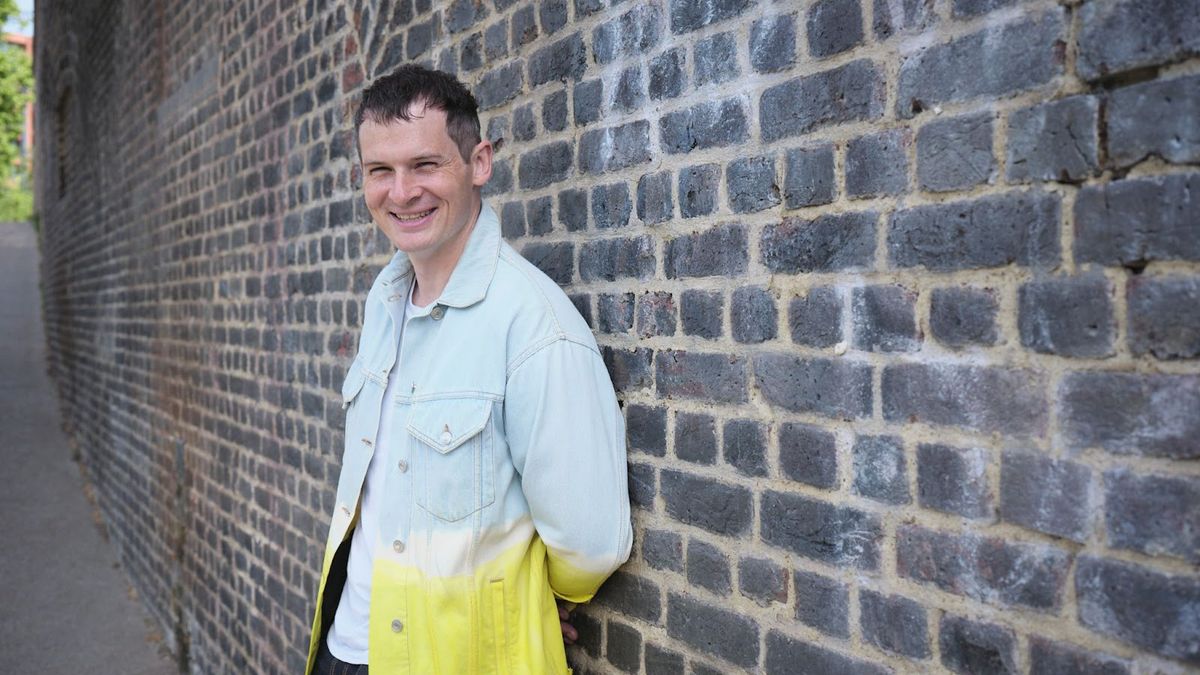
[[567, 438]]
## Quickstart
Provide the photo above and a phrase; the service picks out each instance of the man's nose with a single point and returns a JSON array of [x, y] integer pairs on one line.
[[403, 188]]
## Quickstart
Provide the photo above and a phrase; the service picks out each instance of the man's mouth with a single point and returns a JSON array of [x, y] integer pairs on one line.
[[411, 217]]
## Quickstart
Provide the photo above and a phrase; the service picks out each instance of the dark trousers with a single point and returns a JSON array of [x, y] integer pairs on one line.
[[328, 664]]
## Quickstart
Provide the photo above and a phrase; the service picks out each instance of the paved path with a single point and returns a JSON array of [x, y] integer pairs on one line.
[[65, 604]]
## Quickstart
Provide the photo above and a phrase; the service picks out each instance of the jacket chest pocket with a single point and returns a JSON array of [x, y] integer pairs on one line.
[[452, 456]]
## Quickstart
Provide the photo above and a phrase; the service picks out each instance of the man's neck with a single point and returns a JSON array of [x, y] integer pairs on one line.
[[433, 274]]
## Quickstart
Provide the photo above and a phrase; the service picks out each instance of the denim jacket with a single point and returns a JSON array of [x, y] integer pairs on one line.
[[510, 488]]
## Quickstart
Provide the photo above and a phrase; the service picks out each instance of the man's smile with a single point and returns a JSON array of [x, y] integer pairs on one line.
[[411, 217]]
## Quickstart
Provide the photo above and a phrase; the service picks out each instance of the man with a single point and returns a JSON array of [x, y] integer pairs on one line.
[[484, 468]]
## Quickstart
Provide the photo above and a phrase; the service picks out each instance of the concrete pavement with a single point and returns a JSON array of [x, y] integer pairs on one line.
[[65, 604]]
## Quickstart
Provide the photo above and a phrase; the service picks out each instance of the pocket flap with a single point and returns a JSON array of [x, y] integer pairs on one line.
[[444, 424], [352, 384]]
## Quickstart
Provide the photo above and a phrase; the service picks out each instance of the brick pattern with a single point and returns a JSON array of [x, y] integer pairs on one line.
[[899, 297]]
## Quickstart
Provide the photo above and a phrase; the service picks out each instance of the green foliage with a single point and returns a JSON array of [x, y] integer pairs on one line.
[[16, 90]]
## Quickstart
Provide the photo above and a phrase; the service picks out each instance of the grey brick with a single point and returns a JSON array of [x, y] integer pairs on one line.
[[524, 26], [834, 535], [512, 220], [968, 8], [545, 165], [1129, 413], [714, 59], [1054, 141], [524, 123], [700, 312], [502, 179], [815, 320], [719, 632], [989, 569], [810, 180], [634, 32], [751, 184], [1045, 494], [719, 378], [611, 259], [834, 26], [955, 153], [836, 241], [631, 595], [590, 631], [495, 40], [1151, 610], [689, 15], [615, 312], [660, 661], [667, 79], [877, 164], [892, 16], [762, 581], [745, 447], [998, 60], [562, 60], [629, 369], [1166, 31], [1058, 658], [470, 55], [712, 124], [461, 14], [1012, 228], [572, 209], [557, 260], [654, 202], [808, 454], [954, 480], [1068, 316], [894, 623], [695, 438], [719, 251], [822, 603], [708, 567], [1163, 209], [553, 15], [880, 469], [663, 550], [833, 388], [698, 190], [1156, 324], [850, 93], [588, 7], [614, 148], [1173, 104], [975, 648], [499, 86], [655, 314], [539, 216], [987, 399], [631, 90], [588, 101], [788, 656], [624, 644], [963, 316], [752, 315], [647, 429], [773, 43], [885, 319], [642, 485], [1153, 514], [611, 206]]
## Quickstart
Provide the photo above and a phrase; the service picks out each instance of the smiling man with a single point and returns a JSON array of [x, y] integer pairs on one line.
[[484, 469]]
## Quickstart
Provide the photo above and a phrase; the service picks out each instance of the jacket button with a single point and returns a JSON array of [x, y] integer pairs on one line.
[[403, 466], [437, 313], [397, 626], [398, 546], [446, 437]]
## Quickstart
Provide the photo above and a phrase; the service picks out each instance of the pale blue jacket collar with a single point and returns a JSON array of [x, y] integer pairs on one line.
[[472, 275]]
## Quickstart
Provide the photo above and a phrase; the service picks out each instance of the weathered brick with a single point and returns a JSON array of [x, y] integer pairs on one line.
[[557, 260], [512, 220], [988, 569], [719, 632], [850, 93], [554, 111], [834, 26], [714, 59], [954, 480], [708, 504], [1153, 514], [1129, 413], [647, 429], [834, 388], [712, 124], [752, 315], [719, 251], [553, 15], [698, 190], [667, 79], [624, 643], [545, 165], [880, 469], [708, 567], [816, 319], [836, 241], [788, 656], [715, 377], [524, 26], [1173, 104], [955, 153], [631, 595], [1054, 141], [884, 319], [495, 40], [572, 209], [695, 438], [1013, 228], [663, 550], [660, 661], [700, 312], [642, 485], [1058, 658], [976, 648], [959, 317], [762, 581], [614, 148], [986, 399], [634, 32], [588, 7], [835, 535], [965, 8], [810, 180], [808, 454], [615, 312], [538, 214], [1068, 316], [562, 60], [689, 15], [590, 631], [997, 60], [894, 623], [1167, 30], [524, 124], [877, 164], [588, 101], [629, 369], [822, 603], [654, 203], [773, 43], [1134, 604], [745, 447], [611, 259], [1045, 494], [1156, 324], [751, 185], [896, 16], [611, 205], [1165, 213]]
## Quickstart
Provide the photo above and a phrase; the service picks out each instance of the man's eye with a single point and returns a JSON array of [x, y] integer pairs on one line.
[[426, 165], [377, 169]]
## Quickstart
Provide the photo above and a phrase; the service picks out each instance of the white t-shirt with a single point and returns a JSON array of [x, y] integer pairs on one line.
[[347, 639]]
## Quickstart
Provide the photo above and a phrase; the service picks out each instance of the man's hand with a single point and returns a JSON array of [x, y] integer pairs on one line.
[[570, 635]]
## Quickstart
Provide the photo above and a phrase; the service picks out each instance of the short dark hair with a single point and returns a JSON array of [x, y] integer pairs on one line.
[[390, 97]]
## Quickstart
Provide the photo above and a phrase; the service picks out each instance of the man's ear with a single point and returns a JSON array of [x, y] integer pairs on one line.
[[481, 163]]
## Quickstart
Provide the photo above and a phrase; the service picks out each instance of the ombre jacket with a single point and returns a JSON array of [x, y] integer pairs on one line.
[[511, 486]]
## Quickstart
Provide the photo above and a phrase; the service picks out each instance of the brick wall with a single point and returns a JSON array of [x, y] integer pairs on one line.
[[902, 298]]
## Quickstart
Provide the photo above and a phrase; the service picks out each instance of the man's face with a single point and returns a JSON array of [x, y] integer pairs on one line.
[[418, 188]]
